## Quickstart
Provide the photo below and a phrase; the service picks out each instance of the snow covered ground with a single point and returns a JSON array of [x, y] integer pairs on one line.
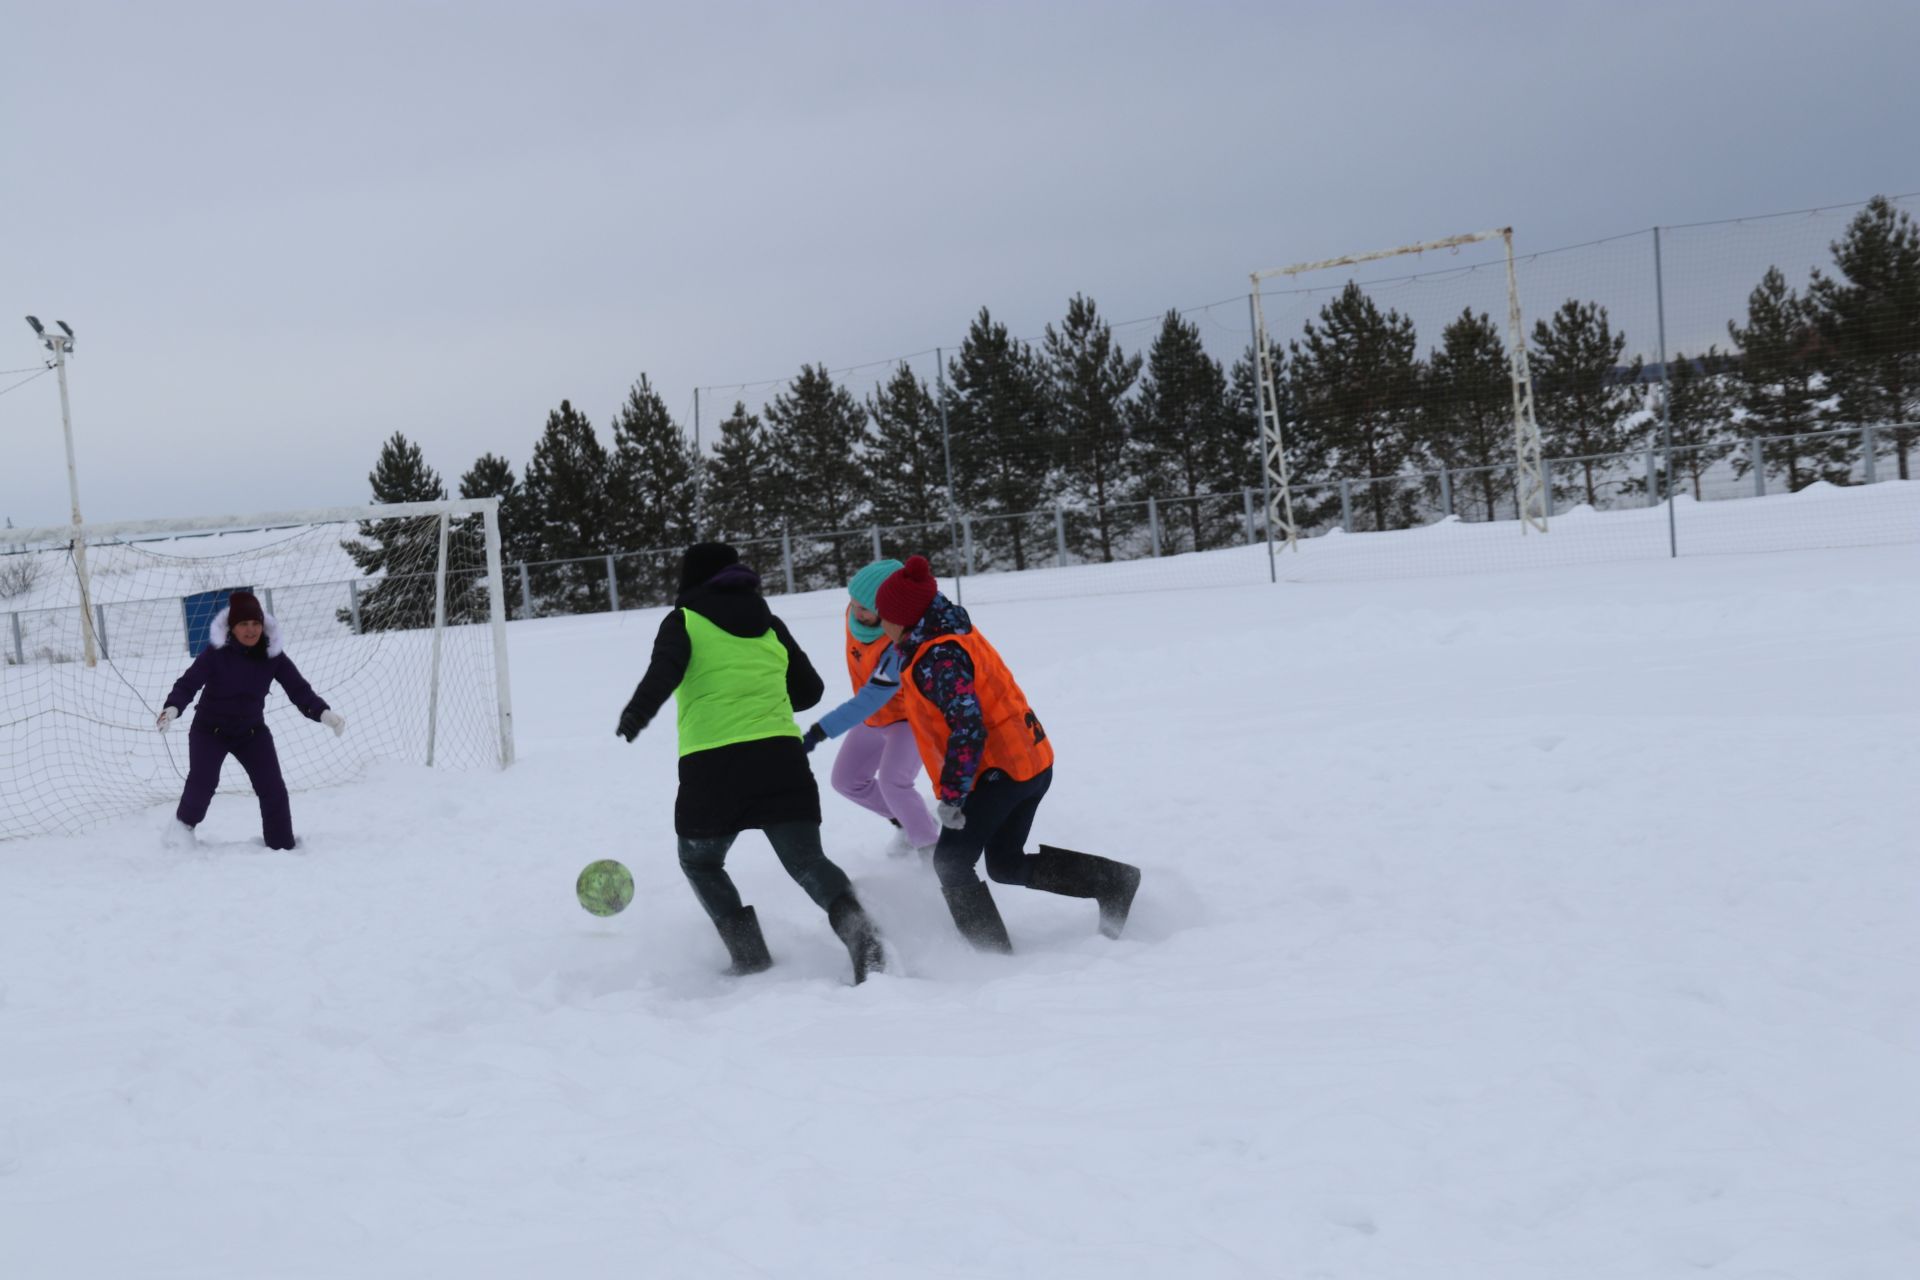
[[1553, 923]]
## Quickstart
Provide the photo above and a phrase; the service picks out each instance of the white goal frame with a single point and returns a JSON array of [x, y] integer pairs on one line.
[[1530, 490], [487, 508]]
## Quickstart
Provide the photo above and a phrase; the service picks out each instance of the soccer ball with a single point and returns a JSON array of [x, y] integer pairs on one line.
[[605, 887]]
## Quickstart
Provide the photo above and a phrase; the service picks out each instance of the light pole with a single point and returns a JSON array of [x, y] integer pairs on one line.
[[61, 344]]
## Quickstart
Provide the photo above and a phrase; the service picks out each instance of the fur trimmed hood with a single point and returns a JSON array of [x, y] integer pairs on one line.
[[217, 633]]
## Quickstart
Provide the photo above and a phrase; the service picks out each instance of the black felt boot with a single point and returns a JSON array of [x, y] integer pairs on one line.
[[1085, 875], [741, 932], [977, 918], [855, 928]]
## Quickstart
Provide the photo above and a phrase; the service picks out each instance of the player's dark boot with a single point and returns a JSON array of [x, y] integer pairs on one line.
[[977, 918], [1086, 875], [855, 928], [741, 932]]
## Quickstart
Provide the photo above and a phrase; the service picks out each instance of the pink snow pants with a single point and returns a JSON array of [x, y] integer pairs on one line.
[[879, 769]]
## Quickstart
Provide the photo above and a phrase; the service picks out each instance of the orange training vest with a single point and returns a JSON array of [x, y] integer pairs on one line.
[[862, 658], [1016, 744]]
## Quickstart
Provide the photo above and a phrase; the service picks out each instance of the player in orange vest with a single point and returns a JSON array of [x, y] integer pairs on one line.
[[990, 761], [878, 766]]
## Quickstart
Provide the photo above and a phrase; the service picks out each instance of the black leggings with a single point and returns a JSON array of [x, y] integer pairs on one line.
[[999, 815], [797, 844]]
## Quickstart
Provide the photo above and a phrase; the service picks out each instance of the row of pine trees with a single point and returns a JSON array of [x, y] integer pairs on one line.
[[1076, 422]]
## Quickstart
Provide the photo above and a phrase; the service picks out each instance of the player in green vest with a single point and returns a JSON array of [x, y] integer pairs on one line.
[[737, 676]]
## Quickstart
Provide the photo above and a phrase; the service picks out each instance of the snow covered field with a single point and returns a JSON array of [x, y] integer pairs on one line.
[[1555, 923]]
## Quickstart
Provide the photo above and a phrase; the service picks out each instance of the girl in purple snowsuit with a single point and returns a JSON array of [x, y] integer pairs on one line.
[[237, 670]]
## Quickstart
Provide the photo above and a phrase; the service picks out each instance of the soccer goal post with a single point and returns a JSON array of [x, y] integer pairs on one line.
[[1529, 494], [394, 613]]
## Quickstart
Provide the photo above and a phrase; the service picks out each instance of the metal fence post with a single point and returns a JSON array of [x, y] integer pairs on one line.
[[1866, 450], [1060, 536], [19, 650], [786, 555], [1446, 491], [1346, 505], [353, 605], [877, 553], [613, 588], [526, 592], [1246, 512], [1757, 459], [1546, 470], [100, 625], [1653, 478], [966, 539], [1153, 524]]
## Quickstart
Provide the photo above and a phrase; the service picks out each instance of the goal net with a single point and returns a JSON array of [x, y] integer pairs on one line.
[[1395, 390], [394, 614]]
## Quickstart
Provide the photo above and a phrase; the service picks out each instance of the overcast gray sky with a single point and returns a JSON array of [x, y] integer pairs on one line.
[[284, 231]]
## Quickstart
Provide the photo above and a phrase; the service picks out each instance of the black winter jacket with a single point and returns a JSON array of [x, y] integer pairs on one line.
[[744, 785]]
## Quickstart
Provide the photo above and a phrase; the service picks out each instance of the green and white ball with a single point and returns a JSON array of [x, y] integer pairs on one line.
[[605, 887]]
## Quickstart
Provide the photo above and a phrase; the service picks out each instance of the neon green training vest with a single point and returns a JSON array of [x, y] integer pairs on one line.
[[735, 690]]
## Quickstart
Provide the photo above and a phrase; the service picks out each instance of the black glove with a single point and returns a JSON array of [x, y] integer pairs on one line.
[[630, 724], [812, 738]]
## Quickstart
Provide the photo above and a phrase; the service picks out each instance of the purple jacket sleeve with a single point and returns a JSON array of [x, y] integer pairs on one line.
[[189, 684], [944, 674], [299, 692]]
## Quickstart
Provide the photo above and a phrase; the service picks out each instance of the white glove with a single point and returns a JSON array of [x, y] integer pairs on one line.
[[950, 816], [165, 719], [333, 721]]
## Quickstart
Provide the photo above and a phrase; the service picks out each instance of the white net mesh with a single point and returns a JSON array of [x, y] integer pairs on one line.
[[78, 744]]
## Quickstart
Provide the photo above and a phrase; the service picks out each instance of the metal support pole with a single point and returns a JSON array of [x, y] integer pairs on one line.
[[966, 538], [100, 628], [1153, 524], [1757, 459], [1666, 399], [1246, 511], [877, 553], [439, 635], [19, 649], [699, 474], [1867, 446], [946, 449], [1346, 505], [1060, 536], [1446, 491], [1271, 449], [613, 588], [268, 593], [353, 605], [62, 346], [1546, 490], [497, 623], [1653, 477], [786, 555], [526, 592]]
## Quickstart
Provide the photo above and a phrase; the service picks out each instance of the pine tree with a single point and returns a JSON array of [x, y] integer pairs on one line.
[[1352, 378], [906, 477], [997, 423], [1869, 315], [1779, 386], [1588, 402], [653, 491], [404, 551], [819, 430], [1089, 377], [491, 476], [1467, 410], [567, 502], [1699, 412], [1188, 440], [740, 484]]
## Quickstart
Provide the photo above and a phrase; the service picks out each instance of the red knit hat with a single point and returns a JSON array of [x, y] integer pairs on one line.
[[243, 607], [903, 598]]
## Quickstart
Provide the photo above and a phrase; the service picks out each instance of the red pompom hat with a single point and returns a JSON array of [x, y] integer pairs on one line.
[[903, 598]]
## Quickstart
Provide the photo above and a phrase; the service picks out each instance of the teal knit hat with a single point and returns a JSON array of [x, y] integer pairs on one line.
[[866, 583]]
